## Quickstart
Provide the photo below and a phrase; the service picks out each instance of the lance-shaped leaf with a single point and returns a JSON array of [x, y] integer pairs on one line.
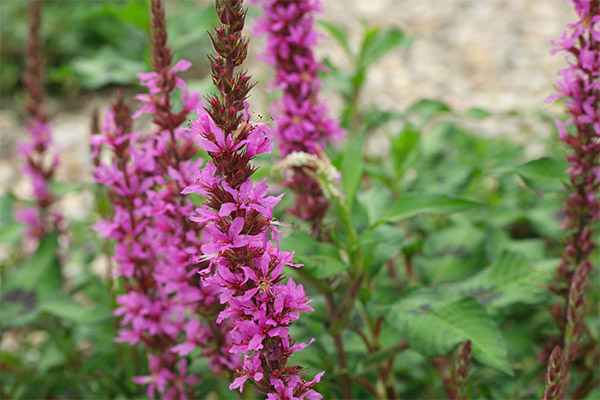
[[544, 174], [352, 168], [411, 204]]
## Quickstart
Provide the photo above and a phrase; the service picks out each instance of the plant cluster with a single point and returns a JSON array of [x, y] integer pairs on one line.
[[445, 266]]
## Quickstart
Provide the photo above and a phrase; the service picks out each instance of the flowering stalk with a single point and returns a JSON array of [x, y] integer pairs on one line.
[[242, 241], [148, 314], [41, 165], [580, 84], [301, 118], [173, 151], [166, 307]]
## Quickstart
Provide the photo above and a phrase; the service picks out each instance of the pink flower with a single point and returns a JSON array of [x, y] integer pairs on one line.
[[301, 119], [158, 378]]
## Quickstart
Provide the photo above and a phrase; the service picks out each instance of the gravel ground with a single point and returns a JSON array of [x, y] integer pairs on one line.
[[467, 53]]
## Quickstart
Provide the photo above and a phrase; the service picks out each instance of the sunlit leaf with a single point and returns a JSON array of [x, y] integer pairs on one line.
[[411, 204], [544, 174], [352, 167], [435, 328]]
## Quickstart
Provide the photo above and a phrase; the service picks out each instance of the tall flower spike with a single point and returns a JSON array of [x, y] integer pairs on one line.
[[173, 151], [145, 316], [150, 314], [242, 250], [579, 84], [301, 118], [40, 163]]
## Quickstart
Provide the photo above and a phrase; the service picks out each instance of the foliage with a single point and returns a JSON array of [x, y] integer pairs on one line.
[[91, 44]]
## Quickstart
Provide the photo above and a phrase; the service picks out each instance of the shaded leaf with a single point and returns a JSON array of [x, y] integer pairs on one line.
[[375, 201], [23, 289], [379, 245], [105, 67]]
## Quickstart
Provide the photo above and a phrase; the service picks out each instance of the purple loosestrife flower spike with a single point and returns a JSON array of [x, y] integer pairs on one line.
[[173, 150], [151, 312], [40, 164], [579, 84], [301, 118], [147, 314], [241, 248]]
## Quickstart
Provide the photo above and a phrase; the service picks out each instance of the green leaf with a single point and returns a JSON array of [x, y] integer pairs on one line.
[[23, 289], [451, 253], [512, 279], [352, 168], [478, 113], [377, 44], [434, 329], [375, 201], [338, 34], [105, 67], [41, 272], [321, 260], [51, 356], [6, 210], [403, 145], [10, 230], [66, 308], [425, 109], [134, 13], [545, 174], [412, 204], [379, 245], [11, 233]]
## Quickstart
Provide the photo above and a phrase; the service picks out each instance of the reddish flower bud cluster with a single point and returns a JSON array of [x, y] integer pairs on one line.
[[462, 375], [242, 241], [555, 376], [41, 164]]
